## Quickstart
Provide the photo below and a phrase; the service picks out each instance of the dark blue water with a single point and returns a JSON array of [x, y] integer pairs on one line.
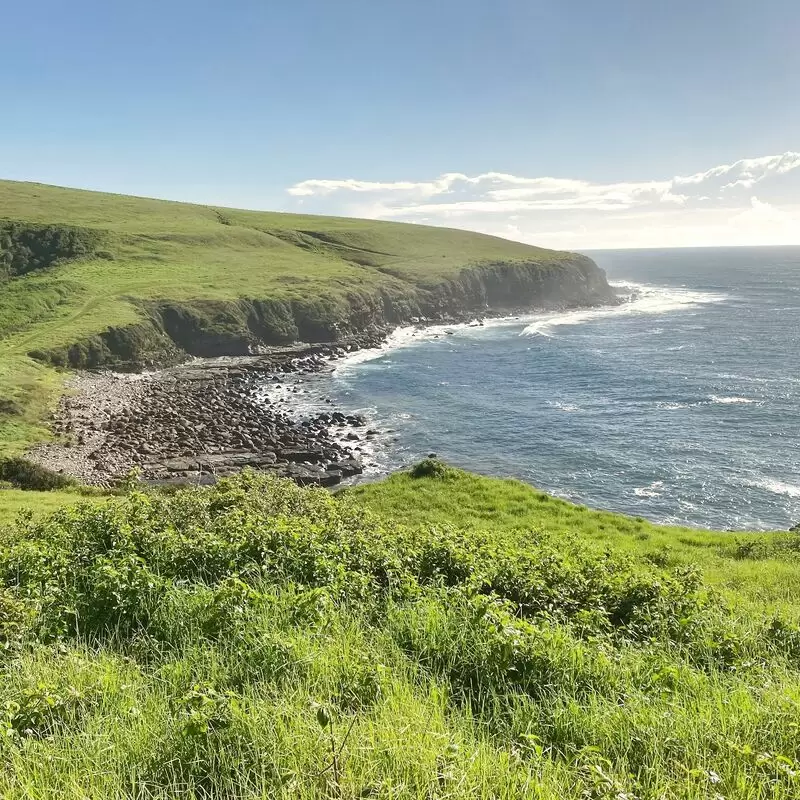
[[681, 406]]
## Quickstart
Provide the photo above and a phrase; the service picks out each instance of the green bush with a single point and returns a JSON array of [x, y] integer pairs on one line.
[[42, 709], [430, 468], [184, 644], [24, 474], [25, 247]]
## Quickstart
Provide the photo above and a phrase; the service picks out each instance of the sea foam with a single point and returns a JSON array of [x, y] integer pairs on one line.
[[637, 299], [731, 400], [779, 487]]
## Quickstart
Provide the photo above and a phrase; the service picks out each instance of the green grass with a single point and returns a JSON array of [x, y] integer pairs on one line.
[[771, 577], [13, 501], [443, 636], [158, 251]]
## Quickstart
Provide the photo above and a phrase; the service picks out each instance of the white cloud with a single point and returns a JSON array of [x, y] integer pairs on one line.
[[716, 204], [424, 188], [767, 222], [746, 172], [747, 183]]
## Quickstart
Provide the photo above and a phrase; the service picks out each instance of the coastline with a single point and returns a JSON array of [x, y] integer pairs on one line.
[[210, 417], [204, 419]]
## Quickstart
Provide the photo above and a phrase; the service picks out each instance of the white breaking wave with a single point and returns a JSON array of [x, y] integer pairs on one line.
[[409, 335], [754, 378], [731, 400], [637, 299], [779, 487], [653, 490], [400, 337], [568, 407], [712, 400]]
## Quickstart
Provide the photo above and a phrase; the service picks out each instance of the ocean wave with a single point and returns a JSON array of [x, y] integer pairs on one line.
[[713, 399], [410, 335], [557, 404], [637, 299], [754, 378], [400, 337], [731, 400], [778, 487], [653, 490]]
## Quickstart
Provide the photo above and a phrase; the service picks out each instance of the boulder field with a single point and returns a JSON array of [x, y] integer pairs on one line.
[[204, 420]]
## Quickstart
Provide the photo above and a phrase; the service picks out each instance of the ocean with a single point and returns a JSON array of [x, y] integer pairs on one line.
[[682, 405]]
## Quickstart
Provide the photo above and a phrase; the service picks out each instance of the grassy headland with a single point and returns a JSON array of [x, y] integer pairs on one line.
[[434, 635], [90, 279]]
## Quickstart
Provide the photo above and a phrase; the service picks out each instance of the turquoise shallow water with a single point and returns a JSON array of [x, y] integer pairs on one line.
[[682, 405]]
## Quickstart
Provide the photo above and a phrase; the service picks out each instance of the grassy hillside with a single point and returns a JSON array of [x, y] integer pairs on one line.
[[435, 635], [770, 578], [15, 501], [88, 278]]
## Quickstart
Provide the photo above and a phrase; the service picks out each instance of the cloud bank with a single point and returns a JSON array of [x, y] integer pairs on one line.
[[754, 201]]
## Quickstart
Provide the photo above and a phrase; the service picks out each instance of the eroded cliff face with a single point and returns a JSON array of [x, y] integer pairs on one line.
[[171, 331], [576, 282]]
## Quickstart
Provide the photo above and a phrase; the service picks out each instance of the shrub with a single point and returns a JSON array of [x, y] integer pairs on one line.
[[25, 247], [9, 407], [212, 620], [40, 710], [16, 618], [24, 474], [430, 468]]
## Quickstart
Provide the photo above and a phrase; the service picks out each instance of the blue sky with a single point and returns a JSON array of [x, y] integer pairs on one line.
[[360, 107]]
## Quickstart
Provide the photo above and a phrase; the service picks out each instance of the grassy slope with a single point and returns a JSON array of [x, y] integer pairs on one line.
[[769, 580], [476, 638], [179, 252]]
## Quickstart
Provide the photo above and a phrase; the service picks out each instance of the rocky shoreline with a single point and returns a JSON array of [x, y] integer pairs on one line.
[[206, 419], [210, 417]]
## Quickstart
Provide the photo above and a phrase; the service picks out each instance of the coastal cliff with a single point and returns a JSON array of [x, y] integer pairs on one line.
[[91, 280], [170, 331]]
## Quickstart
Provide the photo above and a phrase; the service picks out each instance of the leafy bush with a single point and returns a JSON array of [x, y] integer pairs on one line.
[[15, 618], [100, 569], [25, 248], [430, 468], [211, 623], [9, 407], [40, 710], [25, 474]]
